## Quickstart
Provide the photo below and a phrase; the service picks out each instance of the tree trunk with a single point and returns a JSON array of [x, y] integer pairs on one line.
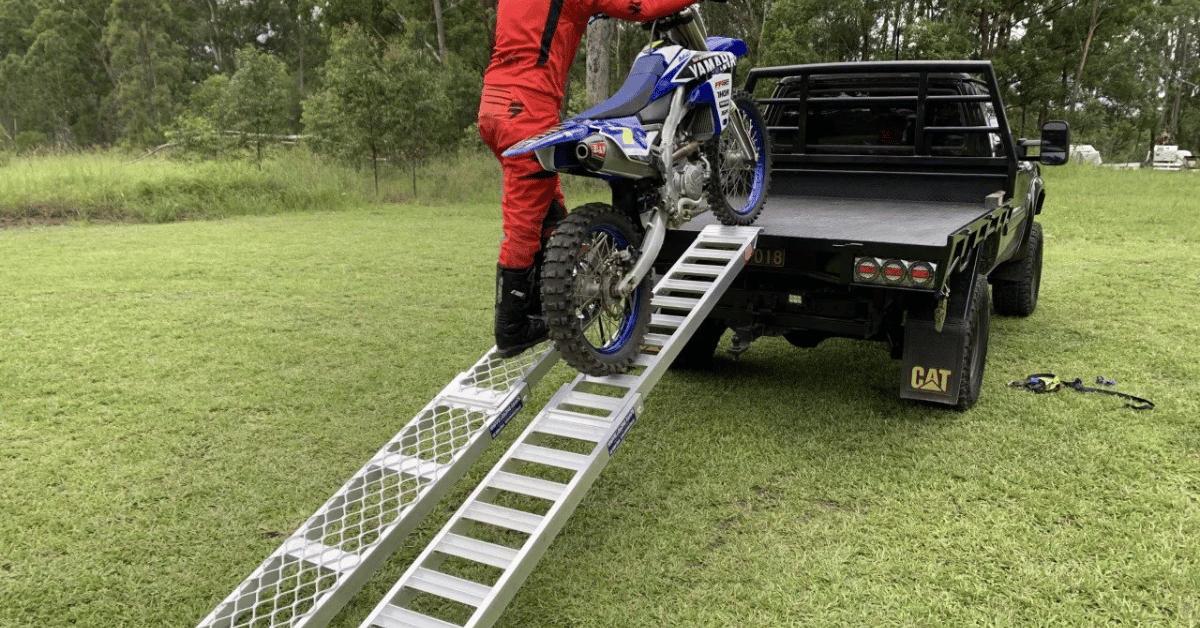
[[441, 31], [1182, 55], [489, 9], [1083, 57], [984, 34], [599, 34], [375, 167], [303, 36]]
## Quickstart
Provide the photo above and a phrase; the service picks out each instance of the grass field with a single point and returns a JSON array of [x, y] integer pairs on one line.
[[175, 399], [110, 186]]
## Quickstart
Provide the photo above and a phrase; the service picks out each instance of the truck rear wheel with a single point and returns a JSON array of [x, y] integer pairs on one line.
[[975, 346], [1016, 287]]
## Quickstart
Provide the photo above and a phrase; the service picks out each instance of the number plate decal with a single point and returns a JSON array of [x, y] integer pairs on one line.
[[770, 258]]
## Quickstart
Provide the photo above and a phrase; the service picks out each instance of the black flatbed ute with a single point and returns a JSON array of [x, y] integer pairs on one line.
[[898, 194]]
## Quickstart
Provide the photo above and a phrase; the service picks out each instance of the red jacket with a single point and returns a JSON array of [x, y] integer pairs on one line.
[[536, 40]]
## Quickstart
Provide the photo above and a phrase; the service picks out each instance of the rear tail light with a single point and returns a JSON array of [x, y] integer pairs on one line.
[[922, 274], [866, 269], [895, 272]]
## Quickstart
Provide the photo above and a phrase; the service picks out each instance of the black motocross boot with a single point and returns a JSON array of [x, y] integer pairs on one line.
[[516, 331]]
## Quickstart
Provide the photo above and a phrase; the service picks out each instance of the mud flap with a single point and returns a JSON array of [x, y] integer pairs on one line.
[[932, 361]]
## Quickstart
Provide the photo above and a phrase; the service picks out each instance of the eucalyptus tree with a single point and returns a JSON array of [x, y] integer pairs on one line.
[[146, 65], [258, 98], [391, 101]]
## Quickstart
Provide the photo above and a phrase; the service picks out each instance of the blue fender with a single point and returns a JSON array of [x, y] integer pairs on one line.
[[728, 44], [566, 132]]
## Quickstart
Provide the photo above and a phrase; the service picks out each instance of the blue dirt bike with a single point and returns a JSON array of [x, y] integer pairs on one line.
[[675, 141]]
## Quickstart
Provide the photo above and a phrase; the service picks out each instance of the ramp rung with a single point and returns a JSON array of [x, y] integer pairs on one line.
[[525, 485], [666, 320], [476, 550], [507, 518], [719, 255], [683, 285], [676, 303], [578, 417], [645, 360], [560, 424], [657, 340], [619, 381], [597, 402], [448, 587], [708, 270], [392, 616], [550, 457], [708, 237], [321, 555]]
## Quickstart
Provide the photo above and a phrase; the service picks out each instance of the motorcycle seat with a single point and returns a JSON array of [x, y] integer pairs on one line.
[[635, 94]]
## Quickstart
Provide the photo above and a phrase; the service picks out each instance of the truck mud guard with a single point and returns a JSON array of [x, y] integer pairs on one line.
[[935, 359]]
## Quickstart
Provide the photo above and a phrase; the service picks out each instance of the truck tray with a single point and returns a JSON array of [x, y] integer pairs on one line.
[[892, 222]]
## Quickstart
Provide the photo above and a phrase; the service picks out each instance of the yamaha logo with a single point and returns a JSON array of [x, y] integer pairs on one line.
[[711, 64]]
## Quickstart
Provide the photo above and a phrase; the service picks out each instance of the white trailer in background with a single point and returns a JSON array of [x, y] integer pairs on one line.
[[1171, 157], [1085, 154]]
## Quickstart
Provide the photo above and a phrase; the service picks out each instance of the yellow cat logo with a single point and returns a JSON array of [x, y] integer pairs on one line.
[[932, 380]]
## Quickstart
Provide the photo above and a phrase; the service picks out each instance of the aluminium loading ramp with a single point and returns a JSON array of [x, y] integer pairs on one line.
[[311, 576], [318, 569], [473, 567]]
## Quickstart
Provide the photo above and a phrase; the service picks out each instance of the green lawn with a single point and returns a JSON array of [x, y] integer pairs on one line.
[[175, 399]]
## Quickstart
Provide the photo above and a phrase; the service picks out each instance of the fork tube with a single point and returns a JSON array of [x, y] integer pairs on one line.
[[737, 123], [694, 35]]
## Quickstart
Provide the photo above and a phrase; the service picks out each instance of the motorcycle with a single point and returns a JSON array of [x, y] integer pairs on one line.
[[676, 140]]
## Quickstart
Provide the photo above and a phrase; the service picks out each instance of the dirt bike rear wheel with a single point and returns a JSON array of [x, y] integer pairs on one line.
[[595, 329], [737, 188]]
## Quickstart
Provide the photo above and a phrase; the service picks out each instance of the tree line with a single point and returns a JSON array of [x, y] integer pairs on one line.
[[399, 79]]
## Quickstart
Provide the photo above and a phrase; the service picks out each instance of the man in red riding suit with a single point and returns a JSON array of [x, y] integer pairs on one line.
[[523, 87]]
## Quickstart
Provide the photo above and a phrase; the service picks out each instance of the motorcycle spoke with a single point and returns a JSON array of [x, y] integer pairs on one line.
[[601, 339], [600, 316]]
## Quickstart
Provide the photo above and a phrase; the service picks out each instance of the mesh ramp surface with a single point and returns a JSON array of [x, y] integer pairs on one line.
[[308, 579]]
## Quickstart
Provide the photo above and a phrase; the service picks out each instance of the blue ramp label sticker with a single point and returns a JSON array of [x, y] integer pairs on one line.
[[622, 430], [506, 416]]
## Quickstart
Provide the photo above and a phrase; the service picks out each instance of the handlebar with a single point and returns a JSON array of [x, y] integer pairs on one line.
[[674, 20]]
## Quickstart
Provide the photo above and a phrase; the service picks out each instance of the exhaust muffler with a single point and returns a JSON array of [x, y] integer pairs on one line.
[[600, 154]]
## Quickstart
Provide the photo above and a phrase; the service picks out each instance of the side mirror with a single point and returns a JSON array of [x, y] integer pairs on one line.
[[1056, 143]]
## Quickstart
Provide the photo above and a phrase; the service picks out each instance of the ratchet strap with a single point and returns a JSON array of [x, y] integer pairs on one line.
[[1049, 382]]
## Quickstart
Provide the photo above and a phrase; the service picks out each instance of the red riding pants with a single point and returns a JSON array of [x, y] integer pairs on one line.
[[508, 115]]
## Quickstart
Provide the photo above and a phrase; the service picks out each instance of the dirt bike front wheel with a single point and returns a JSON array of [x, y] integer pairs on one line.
[[737, 188], [597, 330]]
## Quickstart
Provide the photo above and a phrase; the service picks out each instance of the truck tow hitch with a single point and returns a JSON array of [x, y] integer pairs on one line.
[[742, 337]]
